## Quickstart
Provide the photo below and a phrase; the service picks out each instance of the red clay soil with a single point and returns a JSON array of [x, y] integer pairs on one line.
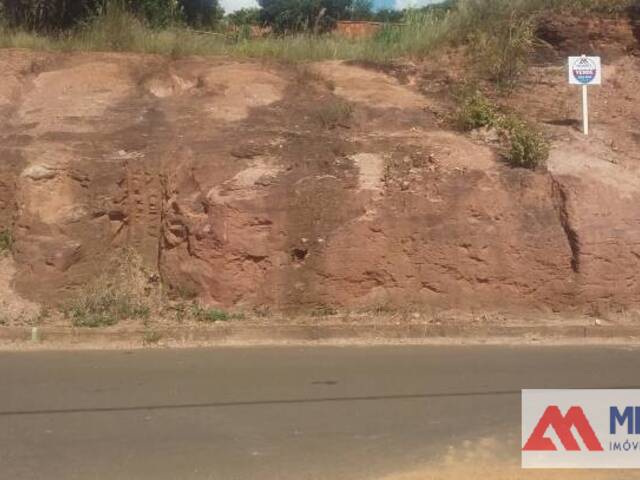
[[336, 184]]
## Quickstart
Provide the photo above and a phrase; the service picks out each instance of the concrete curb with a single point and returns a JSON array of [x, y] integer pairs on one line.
[[229, 333]]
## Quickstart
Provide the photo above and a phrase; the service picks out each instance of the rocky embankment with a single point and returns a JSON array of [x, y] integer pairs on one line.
[[332, 184]]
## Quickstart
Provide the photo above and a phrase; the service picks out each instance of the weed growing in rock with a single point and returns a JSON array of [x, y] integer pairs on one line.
[[119, 294], [209, 315], [212, 315], [151, 337], [6, 242], [105, 306], [324, 311], [334, 114]]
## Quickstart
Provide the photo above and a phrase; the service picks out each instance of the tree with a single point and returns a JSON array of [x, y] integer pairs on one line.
[[361, 10], [388, 16], [245, 16], [299, 15], [157, 13], [199, 13], [47, 15], [52, 15]]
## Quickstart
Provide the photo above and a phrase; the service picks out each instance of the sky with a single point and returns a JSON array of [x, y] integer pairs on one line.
[[233, 5]]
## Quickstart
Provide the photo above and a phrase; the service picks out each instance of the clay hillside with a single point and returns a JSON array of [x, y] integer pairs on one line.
[[343, 184]]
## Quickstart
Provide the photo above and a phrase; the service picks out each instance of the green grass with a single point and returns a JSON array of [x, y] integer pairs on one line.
[[324, 311], [212, 315], [499, 31], [6, 242], [333, 114], [103, 307], [122, 292]]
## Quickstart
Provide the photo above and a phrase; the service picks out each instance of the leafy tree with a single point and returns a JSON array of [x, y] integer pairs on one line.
[[201, 13], [245, 16], [47, 15], [161, 13], [388, 16], [158, 13], [51, 15], [361, 10], [299, 15]]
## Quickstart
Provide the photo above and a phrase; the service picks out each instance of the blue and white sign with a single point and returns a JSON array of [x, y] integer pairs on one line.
[[585, 70]]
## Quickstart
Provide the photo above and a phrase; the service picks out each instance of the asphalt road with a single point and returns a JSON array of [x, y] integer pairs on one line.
[[275, 413]]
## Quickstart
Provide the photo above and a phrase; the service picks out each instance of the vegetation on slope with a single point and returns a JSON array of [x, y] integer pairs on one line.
[[500, 35], [500, 30]]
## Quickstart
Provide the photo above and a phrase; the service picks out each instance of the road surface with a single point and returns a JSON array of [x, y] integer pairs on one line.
[[276, 412]]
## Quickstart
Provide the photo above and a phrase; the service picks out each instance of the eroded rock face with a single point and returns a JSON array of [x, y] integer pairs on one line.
[[253, 185]]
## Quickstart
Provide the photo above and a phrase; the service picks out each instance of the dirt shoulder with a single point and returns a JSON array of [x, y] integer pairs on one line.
[[363, 330]]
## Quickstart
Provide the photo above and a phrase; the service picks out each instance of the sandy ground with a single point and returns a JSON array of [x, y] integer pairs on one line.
[[480, 460]]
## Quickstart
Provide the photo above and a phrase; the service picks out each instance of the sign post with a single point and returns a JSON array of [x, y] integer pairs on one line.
[[585, 71], [585, 109]]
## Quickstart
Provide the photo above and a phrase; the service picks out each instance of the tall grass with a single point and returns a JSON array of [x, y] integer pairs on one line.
[[499, 29]]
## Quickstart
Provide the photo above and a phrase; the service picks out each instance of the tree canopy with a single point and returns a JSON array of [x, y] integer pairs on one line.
[[297, 15], [51, 15]]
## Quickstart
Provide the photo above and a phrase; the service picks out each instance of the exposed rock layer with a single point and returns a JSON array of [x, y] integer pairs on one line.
[[336, 185]]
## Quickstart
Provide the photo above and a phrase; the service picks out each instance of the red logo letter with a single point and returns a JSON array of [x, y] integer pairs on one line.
[[562, 425]]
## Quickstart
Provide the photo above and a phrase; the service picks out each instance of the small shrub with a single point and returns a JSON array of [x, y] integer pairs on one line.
[[185, 292], [503, 55], [528, 148], [379, 309], [181, 311], [6, 242], [151, 337], [475, 110], [334, 114], [305, 75], [262, 311]]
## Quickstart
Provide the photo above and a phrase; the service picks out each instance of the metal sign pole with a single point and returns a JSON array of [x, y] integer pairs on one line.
[[585, 109]]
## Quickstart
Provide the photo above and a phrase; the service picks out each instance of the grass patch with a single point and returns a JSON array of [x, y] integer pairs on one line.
[[151, 337], [122, 293], [334, 114], [499, 32], [324, 311], [213, 315], [209, 315], [105, 306], [6, 242]]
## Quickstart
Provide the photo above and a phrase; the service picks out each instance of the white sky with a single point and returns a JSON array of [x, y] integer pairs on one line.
[[233, 5]]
